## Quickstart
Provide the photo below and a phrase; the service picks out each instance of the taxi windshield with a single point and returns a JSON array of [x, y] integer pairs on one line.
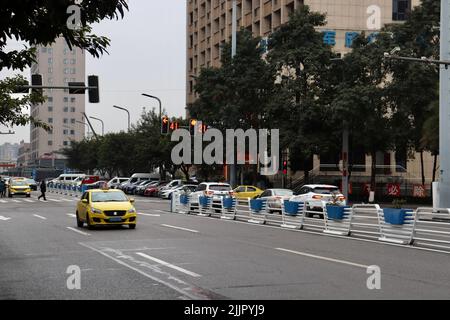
[[109, 197], [19, 183]]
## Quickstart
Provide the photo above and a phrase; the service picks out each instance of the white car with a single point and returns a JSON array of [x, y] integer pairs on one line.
[[275, 198], [216, 190], [116, 181], [317, 196], [167, 194]]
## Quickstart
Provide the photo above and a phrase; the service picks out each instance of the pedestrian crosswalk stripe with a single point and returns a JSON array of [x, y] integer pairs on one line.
[[30, 201], [3, 201]]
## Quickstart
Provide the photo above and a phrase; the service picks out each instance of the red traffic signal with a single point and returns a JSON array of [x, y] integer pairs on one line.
[[174, 126], [165, 125], [285, 167]]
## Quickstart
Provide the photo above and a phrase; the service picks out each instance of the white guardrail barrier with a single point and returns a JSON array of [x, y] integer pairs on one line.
[[67, 190], [424, 227]]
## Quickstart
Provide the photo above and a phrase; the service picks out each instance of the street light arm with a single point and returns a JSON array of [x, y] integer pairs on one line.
[[129, 116]]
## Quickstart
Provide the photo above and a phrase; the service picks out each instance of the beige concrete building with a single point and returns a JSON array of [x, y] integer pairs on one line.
[[209, 26], [58, 66]]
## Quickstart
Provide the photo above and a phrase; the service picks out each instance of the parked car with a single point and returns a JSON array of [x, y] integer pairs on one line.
[[317, 196], [170, 185], [97, 185], [188, 188], [82, 180], [140, 189], [275, 198], [216, 190], [131, 189], [116, 181], [245, 192], [152, 191], [32, 183]]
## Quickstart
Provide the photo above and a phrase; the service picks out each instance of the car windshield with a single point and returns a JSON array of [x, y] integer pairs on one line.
[[220, 187], [283, 193], [109, 197], [326, 190], [19, 183], [31, 181]]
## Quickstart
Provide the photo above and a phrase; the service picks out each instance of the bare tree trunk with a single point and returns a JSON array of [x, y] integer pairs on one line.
[[422, 167]]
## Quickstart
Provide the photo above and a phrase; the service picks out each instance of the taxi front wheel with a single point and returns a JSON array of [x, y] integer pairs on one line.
[[88, 222], [132, 226], [80, 223]]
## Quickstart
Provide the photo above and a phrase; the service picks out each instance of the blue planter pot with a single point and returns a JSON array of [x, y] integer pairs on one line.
[[291, 208], [395, 216], [184, 199], [203, 201], [336, 212], [256, 205], [228, 203]]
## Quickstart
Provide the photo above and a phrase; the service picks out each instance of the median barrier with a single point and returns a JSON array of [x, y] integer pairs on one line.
[[337, 220], [292, 214], [396, 225]]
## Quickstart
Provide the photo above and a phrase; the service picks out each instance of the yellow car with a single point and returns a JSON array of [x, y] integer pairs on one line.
[[245, 192], [17, 187], [106, 207]]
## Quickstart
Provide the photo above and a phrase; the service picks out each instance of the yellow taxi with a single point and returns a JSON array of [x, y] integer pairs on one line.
[[245, 192], [19, 187], [105, 208]]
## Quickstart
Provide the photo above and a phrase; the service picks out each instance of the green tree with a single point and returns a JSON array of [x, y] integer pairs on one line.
[[41, 23], [300, 106]]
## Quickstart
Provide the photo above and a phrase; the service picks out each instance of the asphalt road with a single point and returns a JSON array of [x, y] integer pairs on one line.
[[173, 256]]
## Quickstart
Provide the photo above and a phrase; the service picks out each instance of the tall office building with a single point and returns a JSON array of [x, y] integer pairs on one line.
[[209, 24], [58, 66]]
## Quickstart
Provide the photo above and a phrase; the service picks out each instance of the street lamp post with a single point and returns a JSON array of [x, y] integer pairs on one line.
[[129, 118], [233, 54], [159, 101], [103, 124]]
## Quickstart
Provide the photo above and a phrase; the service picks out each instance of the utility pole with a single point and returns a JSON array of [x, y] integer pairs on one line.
[[233, 54], [444, 113]]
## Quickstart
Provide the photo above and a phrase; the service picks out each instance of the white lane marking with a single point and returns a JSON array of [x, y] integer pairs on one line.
[[149, 214], [29, 201], [39, 217], [4, 218], [78, 231], [72, 215], [183, 292], [16, 201], [323, 258], [54, 200], [169, 265], [3, 201], [179, 228], [68, 200]]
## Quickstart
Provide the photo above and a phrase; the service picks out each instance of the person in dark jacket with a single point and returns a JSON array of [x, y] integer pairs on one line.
[[43, 186], [2, 188]]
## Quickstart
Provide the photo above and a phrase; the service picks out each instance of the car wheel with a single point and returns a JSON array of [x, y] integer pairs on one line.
[[10, 196], [80, 223], [28, 195], [88, 222], [132, 226]]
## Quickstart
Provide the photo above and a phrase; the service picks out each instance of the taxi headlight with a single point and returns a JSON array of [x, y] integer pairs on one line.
[[96, 211], [132, 210]]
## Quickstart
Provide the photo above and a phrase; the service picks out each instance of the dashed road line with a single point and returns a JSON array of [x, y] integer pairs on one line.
[[78, 231], [149, 214], [179, 228], [39, 217], [169, 265]]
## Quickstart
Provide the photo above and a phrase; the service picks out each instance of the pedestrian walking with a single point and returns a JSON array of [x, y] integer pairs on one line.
[[43, 186], [2, 188]]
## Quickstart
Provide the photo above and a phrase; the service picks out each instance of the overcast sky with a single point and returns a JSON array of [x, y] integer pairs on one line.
[[147, 54]]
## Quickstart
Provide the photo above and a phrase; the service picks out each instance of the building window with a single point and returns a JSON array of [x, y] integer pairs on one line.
[[73, 61], [66, 109], [50, 99], [73, 71], [66, 120], [50, 60], [50, 50], [44, 50], [50, 109], [72, 109], [401, 9], [50, 70], [50, 120], [73, 100], [66, 132], [72, 121], [50, 143], [66, 143], [66, 61], [66, 99], [72, 132]]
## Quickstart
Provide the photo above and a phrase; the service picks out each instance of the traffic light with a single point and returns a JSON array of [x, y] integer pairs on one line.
[[192, 126], [94, 92], [165, 125], [174, 126], [285, 167], [202, 129], [76, 90], [36, 80]]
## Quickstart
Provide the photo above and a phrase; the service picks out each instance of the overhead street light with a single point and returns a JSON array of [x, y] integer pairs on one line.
[[159, 101], [129, 118], [103, 124]]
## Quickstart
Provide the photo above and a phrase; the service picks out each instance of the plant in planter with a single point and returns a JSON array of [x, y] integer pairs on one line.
[[335, 209], [397, 214]]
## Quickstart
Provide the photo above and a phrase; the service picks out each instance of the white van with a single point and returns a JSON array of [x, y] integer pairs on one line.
[[138, 177], [68, 178]]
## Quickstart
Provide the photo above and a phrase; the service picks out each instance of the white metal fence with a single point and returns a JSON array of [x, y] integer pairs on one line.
[[424, 227]]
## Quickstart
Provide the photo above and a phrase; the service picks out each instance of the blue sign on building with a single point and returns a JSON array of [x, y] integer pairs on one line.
[[372, 37], [349, 38], [329, 37]]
